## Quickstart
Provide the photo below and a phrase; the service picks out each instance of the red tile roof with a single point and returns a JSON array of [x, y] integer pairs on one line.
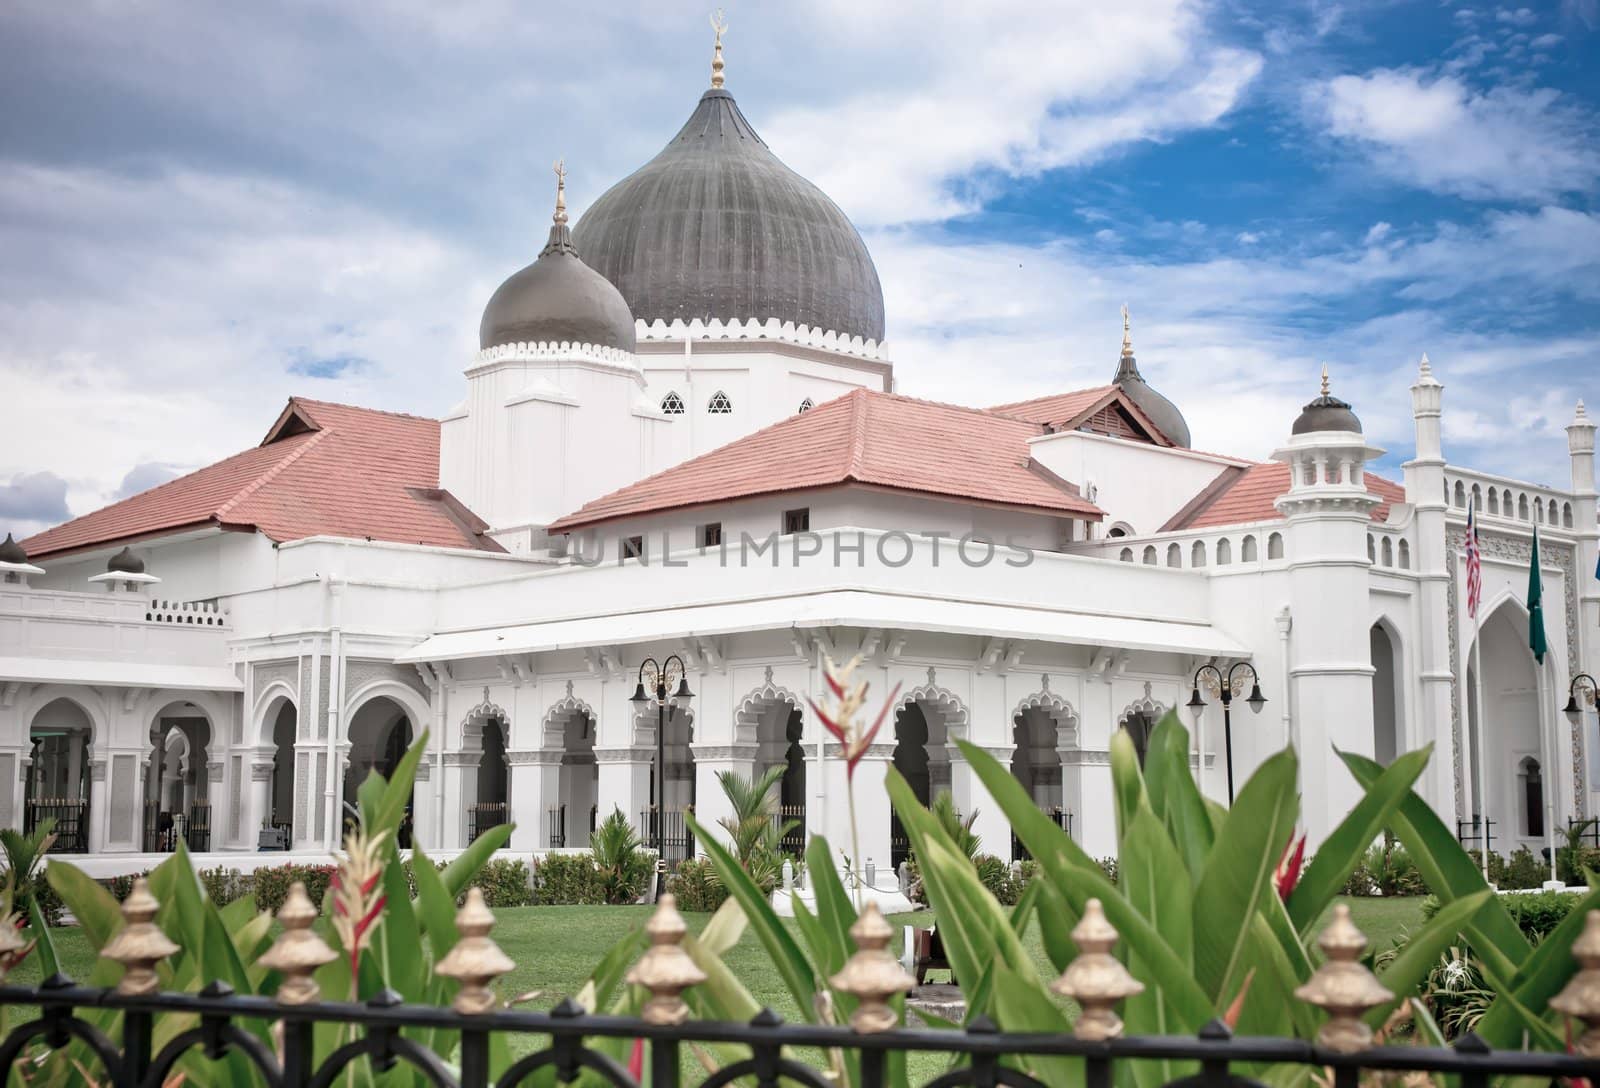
[[863, 437], [1052, 410], [1250, 498], [323, 470]]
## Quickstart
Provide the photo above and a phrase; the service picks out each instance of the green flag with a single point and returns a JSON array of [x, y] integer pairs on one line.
[[1536, 639]]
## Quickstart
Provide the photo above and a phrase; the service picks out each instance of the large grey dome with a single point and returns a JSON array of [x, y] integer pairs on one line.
[[1162, 412], [557, 299], [715, 226]]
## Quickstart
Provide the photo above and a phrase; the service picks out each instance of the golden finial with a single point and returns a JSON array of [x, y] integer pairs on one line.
[[1096, 979], [719, 25], [139, 945], [1324, 379], [872, 975], [1127, 334], [1580, 998], [1343, 986], [561, 192], [297, 952], [475, 961], [665, 969]]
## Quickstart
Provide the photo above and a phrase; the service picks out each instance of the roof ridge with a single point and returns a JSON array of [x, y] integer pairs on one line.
[[1000, 409], [272, 473], [361, 408], [855, 452]]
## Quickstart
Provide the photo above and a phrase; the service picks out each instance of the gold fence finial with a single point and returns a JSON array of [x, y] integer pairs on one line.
[[475, 961], [139, 945], [1096, 979], [1580, 998], [1343, 987], [298, 951], [873, 975], [665, 969], [719, 26]]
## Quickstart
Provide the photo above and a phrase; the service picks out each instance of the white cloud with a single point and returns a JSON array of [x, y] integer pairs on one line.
[[1439, 134]]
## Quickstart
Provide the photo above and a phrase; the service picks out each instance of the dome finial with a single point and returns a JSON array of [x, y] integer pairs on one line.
[[1127, 334], [1324, 379], [719, 24], [561, 192]]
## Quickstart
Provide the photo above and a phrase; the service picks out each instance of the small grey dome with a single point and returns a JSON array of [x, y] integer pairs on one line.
[[125, 562], [557, 299], [1326, 413], [11, 551], [716, 226], [1162, 412]]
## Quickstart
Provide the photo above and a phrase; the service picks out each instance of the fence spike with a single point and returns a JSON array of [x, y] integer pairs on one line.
[[298, 951], [1096, 979], [873, 975], [475, 961], [1343, 986], [665, 969], [1580, 998], [139, 945]]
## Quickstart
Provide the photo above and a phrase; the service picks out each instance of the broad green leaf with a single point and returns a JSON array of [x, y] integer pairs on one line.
[[727, 925], [1522, 999], [1449, 872], [787, 959], [38, 930], [1021, 1006], [1427, 1027], [1291, 959], [1339, 854], [835, 913], [1127, 783], [96, 910], [1239, 872], [1056, 920], [1173, 793], [721, 996], [1422, 949], [391, 805], [459, 873], [435, 906]]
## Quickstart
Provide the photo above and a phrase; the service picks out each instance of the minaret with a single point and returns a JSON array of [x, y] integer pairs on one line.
[[1580, 445], [1424, 478], [1329, 510]]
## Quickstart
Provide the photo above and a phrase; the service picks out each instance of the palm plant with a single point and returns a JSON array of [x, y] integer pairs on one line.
[[956, 828], [623, 866], [755, 834], [23, 856]]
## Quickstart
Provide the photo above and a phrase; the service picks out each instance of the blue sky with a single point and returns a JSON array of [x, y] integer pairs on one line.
[[206, 208]]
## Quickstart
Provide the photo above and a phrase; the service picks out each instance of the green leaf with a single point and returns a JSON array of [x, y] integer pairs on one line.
[[391, 806], [1339, 854], [1152, 875], [1238, 874], [435, 906], [1173, 793], [1127, 783], [96, 911], [1019, 1006], [785, 954], [49, 962], [1421, 951], [1539, 977], [1056, 920], [459, 873], [835, 914]]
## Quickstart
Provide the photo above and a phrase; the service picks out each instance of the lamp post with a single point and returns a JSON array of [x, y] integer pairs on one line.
[[1225, 688], [1574, 709], [660, 678]]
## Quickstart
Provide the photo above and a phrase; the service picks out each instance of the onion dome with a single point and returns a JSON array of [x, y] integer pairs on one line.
[[715, 226], [557, 298], [1162, 412], [125, 562], [11, 551], [1326, 413]]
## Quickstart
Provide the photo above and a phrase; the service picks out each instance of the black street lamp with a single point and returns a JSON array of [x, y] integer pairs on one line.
[[660, 679], [1225, 688], [1574, 709]]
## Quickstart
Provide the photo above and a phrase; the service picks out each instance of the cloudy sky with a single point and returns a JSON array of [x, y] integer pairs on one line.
[[207, 207]]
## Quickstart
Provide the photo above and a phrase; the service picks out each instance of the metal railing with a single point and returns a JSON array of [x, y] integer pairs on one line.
[[385, 1030], [555, 826], [677, 843], [794, 843], [72, 822], [1476, 833], [164, 830], [484, 815], [1063, 820]]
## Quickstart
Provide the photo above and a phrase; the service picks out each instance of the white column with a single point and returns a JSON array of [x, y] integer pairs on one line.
[[711, 804], [624, 784], [532, 789], [259, 810]]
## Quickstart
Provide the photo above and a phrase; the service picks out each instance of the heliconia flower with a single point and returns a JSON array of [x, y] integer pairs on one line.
[[839, 717], [1290, 864], [1236, 1009], [636, 1062], [357, 903]]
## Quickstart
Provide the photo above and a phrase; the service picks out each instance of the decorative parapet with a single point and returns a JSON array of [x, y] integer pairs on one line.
[[552, 351], [772, 329], [187, 613], [1500, 497]]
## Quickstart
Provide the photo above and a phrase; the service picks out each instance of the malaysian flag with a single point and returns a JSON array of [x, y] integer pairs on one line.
[[1474, 563]]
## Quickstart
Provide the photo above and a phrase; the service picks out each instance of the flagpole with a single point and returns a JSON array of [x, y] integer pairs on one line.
[[1477, 698], [1549, 772]]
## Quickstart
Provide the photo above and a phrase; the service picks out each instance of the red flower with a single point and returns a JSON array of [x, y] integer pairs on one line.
[[636, 1062], [1289, 867], [839, 718]]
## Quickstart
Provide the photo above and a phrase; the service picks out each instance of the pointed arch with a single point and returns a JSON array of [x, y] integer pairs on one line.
[[720, 404], [1058, 709], [555, 718], [949, 705], [672, 404], [755, 705]]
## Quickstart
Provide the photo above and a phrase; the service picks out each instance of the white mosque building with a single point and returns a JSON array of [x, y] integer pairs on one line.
[[681, 436]]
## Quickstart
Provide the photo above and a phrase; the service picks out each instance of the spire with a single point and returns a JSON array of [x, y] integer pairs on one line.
[[1127, 367], [719, 25], [1324, 379], [1127, 334], [560, 236]]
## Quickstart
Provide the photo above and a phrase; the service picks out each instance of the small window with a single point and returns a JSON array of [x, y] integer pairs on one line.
[[807, 404], [672, 404], [1127, 555], [711, 534], [633, 547], [1275, 546], [797, 521], [719, 404]]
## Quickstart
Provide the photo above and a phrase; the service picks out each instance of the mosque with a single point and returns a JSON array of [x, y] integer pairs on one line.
[[680, 441]]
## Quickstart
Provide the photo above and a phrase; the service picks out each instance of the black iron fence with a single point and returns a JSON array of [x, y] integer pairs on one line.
[[555, 826], [793, 843], [1476, 834], [484, 815], [72, 822], [1063, 820], [677, 843], [164, 830], [1585, 830]]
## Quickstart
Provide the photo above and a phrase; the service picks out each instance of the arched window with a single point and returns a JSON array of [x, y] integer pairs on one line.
[[1405, 555], [1224, 552], [1522, 507], [1120, 529], [1388, 552], [1461, 493], [1532, 791], [1275, 546], [1566, 515], [1494, 502], [1372, 549], [1477, 498], [1551, 513], [719, 404], [1126, 555], [1197, 554], [672, 404], [1247, 551], [1174, 555], [1538, 509], [805, 406], [1150, 555]]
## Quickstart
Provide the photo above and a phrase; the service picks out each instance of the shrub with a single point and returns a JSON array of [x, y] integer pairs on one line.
[[23, 865], [696, 885], [50, 904], [996, 876], [1497, 866], [223, 886], [1108, 866], [1536, 914], [566, 880], [505, 882], [623, 867], [1524, 870], [913, 882], [1391, 870], [271, 884]]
